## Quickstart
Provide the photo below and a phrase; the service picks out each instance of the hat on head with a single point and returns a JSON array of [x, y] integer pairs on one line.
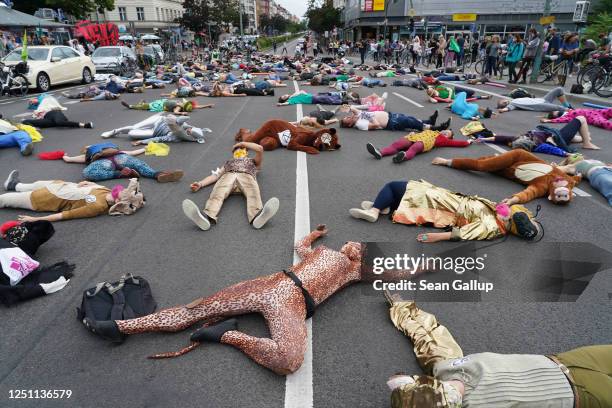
[[129, 200]]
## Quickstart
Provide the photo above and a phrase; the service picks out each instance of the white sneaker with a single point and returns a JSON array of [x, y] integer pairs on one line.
[[367, 215], [11, 181], [269, 210], [366, 205], [192, 212], [109, 134]]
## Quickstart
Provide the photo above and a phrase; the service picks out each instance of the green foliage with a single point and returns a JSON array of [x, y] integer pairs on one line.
[[76, 8], [602, 6], [322, 16], [199, 13], [602, 23], [266, 42], [279, 24]]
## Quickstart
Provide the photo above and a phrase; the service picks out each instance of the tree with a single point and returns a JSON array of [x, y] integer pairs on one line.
[[196, 15], [279, 23], [265, 23], [602, 6], [200, 14], [602, 23], [76, 8], [322, 16]]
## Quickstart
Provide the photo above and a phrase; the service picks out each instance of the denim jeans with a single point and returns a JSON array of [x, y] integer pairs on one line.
[[399, 121]]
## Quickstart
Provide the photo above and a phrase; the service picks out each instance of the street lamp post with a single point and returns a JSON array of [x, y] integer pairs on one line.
[[537, 63], [240, 13], [386, 14]]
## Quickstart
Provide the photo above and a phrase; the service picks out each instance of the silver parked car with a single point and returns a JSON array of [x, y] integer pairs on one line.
[[109, 59]]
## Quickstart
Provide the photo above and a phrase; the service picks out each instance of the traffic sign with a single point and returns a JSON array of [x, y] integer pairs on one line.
[[546, 20], [412, 12], [464, 17]]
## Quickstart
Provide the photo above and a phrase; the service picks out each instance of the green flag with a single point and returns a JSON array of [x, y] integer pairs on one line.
[[24, 47]]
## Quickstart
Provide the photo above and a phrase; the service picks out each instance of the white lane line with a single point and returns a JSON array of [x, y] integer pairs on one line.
[[71, 102], [298, 386], [418, 105], [580, 192], [23, 115], [496, 147]]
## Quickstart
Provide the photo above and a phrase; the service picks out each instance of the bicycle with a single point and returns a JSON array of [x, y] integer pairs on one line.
[[480, 64], [588, 73], [602, 78], [426, 57], [552, 70], [124, 67], [12, 80]]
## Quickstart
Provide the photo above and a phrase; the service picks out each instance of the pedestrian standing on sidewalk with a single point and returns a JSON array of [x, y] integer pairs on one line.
[[568, 51], [362, 47], [452, 50], [515, 53], [440, 51], [531, 48], [274, 46], [492, 55], [554, 42], [461, 42], [416, 50]]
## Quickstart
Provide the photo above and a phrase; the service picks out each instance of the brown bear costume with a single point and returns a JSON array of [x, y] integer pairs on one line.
[[276, 133], [525, 168]]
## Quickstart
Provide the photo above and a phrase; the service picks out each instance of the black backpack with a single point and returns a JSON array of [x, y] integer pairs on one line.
[[127, 298], [519, 93], [577, 89]]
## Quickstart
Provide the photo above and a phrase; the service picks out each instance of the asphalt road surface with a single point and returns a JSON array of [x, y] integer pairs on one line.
[[355, 348]]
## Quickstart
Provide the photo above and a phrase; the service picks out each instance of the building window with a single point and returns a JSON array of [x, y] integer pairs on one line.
[[140, 13], [157, 12], [122, 14]]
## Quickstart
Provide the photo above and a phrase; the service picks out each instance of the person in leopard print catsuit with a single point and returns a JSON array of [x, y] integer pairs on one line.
[[322, 271]]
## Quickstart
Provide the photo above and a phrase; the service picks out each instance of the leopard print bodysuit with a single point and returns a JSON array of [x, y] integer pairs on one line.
[[322, 271]]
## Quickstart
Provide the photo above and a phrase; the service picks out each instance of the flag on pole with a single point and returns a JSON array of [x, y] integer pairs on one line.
[[24, 47]]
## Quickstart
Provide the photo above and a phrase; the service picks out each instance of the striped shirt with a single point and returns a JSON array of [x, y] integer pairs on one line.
[[508, 380]]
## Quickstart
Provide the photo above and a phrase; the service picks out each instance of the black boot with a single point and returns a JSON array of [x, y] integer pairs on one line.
[[107, 329], [215, 332], [433, 118], [443, 126]]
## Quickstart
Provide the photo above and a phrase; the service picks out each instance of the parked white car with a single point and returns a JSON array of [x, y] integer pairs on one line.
[[50, 65], [108, 59]]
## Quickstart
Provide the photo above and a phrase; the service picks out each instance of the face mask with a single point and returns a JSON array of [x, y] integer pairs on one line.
[[240, 153], [523, 227]]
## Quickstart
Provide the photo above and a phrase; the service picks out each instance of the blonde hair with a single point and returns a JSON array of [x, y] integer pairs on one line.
[[496, 38]]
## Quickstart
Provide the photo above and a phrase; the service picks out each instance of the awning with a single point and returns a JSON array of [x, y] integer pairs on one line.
[[14, 18]]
